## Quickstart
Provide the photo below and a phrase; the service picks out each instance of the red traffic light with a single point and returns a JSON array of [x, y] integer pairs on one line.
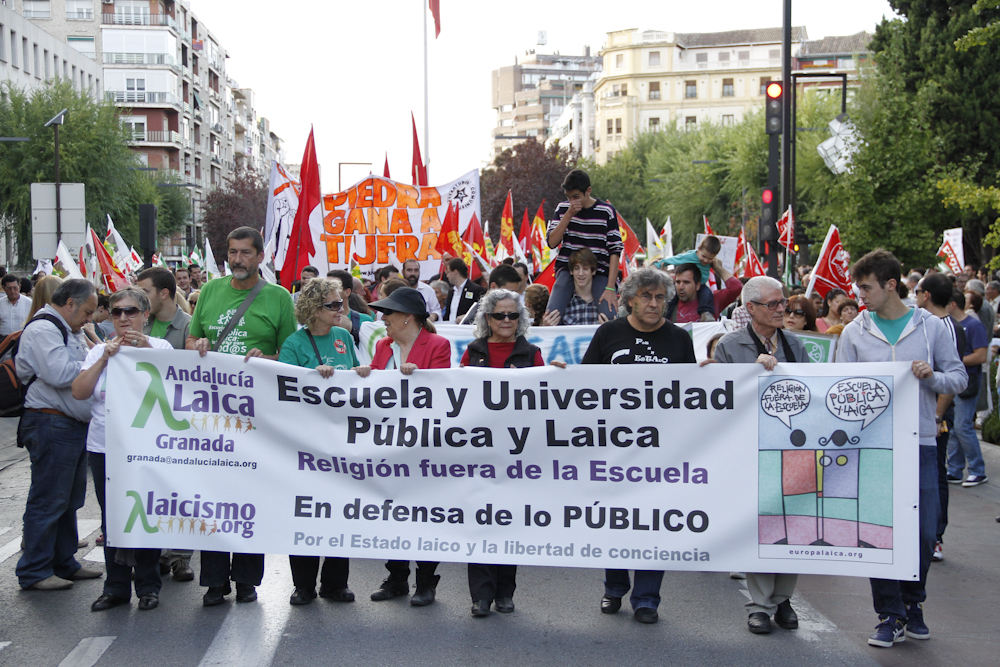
[[773, 90], [768, 196]]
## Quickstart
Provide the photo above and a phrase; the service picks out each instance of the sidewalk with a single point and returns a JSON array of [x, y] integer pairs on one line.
[[10, 453]]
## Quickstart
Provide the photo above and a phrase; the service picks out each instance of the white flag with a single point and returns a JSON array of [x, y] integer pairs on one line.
[[66, 259], [210, 265], [667, 238], [282, 203], [654, 249]]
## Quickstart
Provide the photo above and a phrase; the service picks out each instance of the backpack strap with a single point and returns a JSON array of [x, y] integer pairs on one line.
[[312, 340]]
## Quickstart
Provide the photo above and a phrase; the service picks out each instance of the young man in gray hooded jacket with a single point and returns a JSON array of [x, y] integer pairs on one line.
[[889, 330]]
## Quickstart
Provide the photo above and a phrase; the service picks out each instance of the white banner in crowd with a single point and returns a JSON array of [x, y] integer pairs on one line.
[[811, 469]]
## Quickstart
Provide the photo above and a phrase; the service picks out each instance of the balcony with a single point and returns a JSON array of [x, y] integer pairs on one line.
[[218, 129], [80, 15], [240, 121], [762, 63], [37, 14], [119, 18], [157, 137], [141, 59], [131, 97]]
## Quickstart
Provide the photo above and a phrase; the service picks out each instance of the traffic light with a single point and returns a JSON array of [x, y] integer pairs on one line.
[[767, 229], [772, 107]]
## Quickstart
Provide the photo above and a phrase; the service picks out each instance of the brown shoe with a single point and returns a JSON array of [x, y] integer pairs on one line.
[[85, 573], [52, 583]]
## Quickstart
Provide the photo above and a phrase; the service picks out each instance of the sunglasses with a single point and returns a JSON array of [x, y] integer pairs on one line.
[[334, 305], [796, 312], [131, 311], [505, 316]]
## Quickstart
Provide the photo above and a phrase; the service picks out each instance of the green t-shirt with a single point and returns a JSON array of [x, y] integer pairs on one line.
[[336, 348], [265, 326], [892, 329], [159, 329]]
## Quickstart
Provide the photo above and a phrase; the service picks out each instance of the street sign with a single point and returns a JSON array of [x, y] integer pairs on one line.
[[73, 218]]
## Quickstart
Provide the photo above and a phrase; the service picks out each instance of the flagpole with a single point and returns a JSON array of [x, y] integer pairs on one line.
[[427, 125]]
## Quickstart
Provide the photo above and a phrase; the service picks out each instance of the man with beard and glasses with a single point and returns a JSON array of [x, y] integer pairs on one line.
[[411, 273], [265, 324]]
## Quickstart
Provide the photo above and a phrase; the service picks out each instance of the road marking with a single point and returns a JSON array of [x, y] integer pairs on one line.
[[9, 549], [95, 555], [87, 652], [811, 621], [4, 530], [251, 632], [4, 645], [85, 527]]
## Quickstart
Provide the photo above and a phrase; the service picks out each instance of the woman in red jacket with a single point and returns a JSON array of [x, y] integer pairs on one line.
[[410, 343]]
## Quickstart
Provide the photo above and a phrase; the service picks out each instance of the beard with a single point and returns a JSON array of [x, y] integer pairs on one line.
[[240, 273], [412, 280]]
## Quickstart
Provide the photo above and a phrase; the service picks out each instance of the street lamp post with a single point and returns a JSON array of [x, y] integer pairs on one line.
[[54, 123]]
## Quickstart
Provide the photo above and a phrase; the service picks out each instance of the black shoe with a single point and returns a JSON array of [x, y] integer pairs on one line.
[[785, 617], [425, 591], [300, 596], [182, 571], [164, 569], [759, 623], [246, 592], [390, 589], [149, 601], [610, 604], [646, 615], [107, 601], [504, 605], [337, 594], [216, 595], [480, 608]]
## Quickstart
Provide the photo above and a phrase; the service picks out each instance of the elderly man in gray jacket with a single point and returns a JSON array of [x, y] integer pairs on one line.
[[763, 342]]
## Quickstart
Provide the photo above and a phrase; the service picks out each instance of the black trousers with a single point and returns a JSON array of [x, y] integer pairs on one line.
[[217, 568], [942, 467], [118, 581], [489, 582], [305, 569], [399, 570]]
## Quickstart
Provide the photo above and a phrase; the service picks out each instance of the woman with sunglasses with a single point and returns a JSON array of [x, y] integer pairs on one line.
[[322, 345], [800, 314], [500, 328], [411, 342], [129, 311]]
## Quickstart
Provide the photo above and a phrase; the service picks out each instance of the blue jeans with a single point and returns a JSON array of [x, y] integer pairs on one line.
[[890, 597], [562, 292], [57, 447], [963, 445], [646, 592]]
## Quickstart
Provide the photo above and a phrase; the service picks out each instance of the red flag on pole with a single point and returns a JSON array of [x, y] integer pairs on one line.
[[448, 240], [419, 170], [629, 240], [435, 6], [385, 169], [475, 247], [754, 267], [947, 252], [786, 229], [708, 227], [740, 250], [832, 268], [300, 243], [524, 237], [507, 226], [114, 279], [548, 275]]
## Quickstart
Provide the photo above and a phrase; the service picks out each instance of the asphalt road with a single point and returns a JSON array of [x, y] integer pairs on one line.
[[557, 621]]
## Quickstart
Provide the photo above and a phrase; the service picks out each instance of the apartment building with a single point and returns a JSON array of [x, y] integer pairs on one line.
[[653, 78], [528, 95], [166, 71]]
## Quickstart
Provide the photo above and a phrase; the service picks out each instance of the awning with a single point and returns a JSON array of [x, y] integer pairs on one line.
[[197, 100]]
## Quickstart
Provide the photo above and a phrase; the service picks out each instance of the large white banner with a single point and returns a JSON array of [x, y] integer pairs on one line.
[[811, 468]]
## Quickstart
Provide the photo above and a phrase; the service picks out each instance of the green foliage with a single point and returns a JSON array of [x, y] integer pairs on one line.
[[240, 202], [93, 150], [991, 425], [980, 35], [173, 204]]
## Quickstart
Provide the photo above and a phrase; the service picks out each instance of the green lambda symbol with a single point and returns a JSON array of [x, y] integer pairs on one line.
[[138, 513], [156, 394]]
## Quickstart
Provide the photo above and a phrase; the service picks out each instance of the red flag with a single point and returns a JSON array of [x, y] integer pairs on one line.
[[740, 250], [448, 240], [524, 237], [708, 227], [538, 242], [754, 267], [475, 247], [629, 240], [114, 280], [300, 242], [947, 252], [385, 169], [83, 262], [435, 6], [786, 229], [507, 226], [833, 267], [548, 276], [419, 170]]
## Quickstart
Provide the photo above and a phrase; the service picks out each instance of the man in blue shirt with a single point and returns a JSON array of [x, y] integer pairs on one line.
[[963, 444]]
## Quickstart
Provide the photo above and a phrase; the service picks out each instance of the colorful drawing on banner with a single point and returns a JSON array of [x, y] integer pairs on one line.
[[825, 484]]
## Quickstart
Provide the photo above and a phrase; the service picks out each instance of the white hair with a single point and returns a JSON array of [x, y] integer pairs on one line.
[[756, 286], [489, 303]]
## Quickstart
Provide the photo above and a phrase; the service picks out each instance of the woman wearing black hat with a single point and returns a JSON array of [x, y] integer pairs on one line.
[[410, 343]]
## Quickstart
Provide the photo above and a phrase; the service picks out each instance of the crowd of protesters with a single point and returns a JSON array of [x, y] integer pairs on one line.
[[942, 324]]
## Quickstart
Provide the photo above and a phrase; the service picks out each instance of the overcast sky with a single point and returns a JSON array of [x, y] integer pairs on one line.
[[354, 70]]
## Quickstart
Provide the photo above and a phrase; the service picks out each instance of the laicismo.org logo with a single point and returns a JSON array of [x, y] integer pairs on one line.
[[177, 515]]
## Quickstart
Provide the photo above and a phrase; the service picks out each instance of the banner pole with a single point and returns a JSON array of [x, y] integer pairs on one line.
[[427, 125]]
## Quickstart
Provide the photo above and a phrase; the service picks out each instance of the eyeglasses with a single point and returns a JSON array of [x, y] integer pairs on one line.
[[131, 311], [917, 290], [505, 316], [386, 312], [334, 305], [772, 305], [796, 312]]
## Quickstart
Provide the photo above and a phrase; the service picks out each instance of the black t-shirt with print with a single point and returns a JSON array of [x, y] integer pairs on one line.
[[618, 342]]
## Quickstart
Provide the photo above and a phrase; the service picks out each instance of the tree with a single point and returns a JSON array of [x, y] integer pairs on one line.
[[93, 150], [240, 202], [533, 173]]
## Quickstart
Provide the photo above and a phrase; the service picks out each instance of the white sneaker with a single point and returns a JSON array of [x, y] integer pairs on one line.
[[938, 552]]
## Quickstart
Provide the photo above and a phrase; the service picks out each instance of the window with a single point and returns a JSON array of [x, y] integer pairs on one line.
[[654, 124], [37, 63], [690, 122], [611, 127], [619, 90], [80, 10], [690, 89], [84, 45], [506, 108], [3, 43], [764, 80], [654, 58], [728, 119], [774, 54], [654, 90], [618, 125], [45, 59], [137, 126], [13, 48], [727, 88], [701, 59], [507, 122], [24, 51], [743, 55], [37, 9], [620, 61], [724, 58]]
